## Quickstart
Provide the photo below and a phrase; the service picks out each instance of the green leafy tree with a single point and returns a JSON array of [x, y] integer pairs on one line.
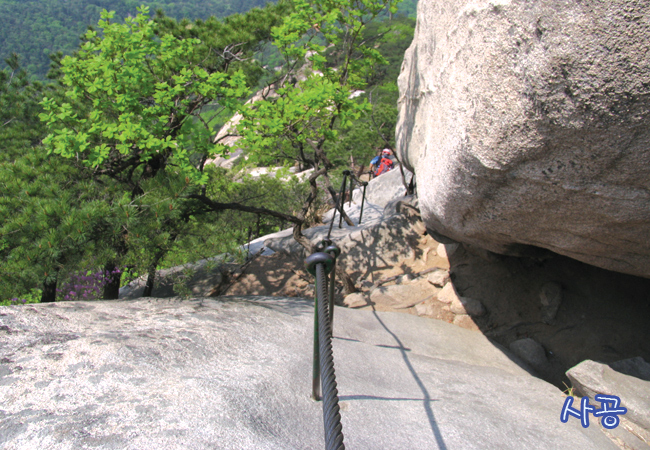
[[363, 138], [328, 60], [50, 213], [136, 94], [132, 114]]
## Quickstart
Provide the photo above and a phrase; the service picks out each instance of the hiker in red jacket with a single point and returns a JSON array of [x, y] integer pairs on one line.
[[385, 163]]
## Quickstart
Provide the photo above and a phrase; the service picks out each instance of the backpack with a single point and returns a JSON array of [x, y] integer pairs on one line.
[[384, 166]]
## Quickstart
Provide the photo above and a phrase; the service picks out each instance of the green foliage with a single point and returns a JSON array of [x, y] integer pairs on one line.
[[123, 178], [144, 86], [132, 113], [375, 128], [38, 29], [19, 124], [34, 296], [143, 92], [327, 59]]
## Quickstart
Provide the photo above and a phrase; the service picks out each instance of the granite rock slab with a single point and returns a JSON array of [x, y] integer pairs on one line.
[[235, 373]]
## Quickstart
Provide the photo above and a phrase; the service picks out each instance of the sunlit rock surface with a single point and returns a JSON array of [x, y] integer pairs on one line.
[[235, 373], [527, 124]]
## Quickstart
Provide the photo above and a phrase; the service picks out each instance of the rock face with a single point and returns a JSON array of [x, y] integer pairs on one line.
[[527, 124], [383, 189], [235, 373], [591, 378], [382, 239]]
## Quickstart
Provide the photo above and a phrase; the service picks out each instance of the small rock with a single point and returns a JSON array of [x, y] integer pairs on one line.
[[406, 278], [367, 285], [591, 378], [400, 296], [419, 227], [425, 309], [448, 294], [530, 351], [465, 321], [551, 297], [464, 305], [438, 278], [441, 251], [634, 367], [355, 300]]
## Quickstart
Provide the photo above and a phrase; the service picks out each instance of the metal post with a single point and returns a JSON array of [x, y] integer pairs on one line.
[[351, 189], [363, 199], [338, 203], [342, 199], [310, 263]]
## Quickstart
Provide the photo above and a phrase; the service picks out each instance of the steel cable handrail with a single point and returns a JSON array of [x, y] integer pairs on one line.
[[320, 264], [331, 410]]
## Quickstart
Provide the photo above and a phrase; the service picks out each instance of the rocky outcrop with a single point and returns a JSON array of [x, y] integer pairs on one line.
[[527, 124], [235, 373], [626, 379], [384, 188]]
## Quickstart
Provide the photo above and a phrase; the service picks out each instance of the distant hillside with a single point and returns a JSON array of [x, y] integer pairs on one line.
[[34, 29]]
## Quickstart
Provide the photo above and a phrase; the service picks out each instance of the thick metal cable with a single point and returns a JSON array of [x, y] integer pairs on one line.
[[332, 282], [331, 410], [315, 377], [332, 285]]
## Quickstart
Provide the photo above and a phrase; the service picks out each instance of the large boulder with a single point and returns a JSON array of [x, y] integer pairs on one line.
[[383, 189], [235, 373], [527, 124]]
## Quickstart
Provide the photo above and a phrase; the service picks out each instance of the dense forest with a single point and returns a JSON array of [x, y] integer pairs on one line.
[[104, 170], [35, 29]]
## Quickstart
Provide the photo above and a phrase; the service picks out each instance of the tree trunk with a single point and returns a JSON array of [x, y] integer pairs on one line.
[[49, 288], [151, 274], [348, 284], [151, 278], [113, 277]]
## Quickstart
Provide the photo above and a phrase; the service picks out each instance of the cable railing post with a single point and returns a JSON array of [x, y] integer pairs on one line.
[[363, 199], [351, 189], [320, 264], [341, 201], [338, 208]]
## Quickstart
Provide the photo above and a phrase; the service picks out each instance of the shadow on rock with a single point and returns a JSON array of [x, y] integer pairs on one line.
[[553, 312]]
